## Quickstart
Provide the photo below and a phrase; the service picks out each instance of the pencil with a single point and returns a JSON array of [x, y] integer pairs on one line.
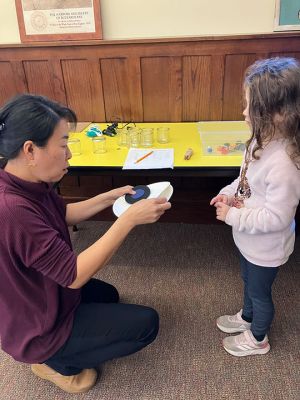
[[142, 158]]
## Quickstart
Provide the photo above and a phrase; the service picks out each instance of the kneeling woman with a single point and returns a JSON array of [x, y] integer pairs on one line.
[[53, 315]]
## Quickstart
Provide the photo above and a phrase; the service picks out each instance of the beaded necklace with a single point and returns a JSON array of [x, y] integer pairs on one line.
[[243, 190]]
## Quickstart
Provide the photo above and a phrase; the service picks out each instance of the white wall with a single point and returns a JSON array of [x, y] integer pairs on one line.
[[123, 19]]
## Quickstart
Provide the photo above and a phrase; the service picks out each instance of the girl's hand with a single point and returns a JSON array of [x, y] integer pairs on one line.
[[114, 194], [221, 210], [223, 198], [146, 211]]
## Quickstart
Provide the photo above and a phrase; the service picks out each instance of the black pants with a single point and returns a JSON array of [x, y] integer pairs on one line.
[[104, 329]]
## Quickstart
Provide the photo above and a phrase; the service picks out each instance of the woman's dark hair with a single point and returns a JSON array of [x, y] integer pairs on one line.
[[274, 102], [29, 117]]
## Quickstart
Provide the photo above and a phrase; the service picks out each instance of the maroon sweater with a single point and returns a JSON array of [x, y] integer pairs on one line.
[[37, 264]]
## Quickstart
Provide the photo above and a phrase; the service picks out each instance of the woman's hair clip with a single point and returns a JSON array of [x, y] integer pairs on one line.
[[2, 126]]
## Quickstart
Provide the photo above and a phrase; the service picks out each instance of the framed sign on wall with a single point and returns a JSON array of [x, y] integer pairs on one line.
[[52, 20], [287, 15]]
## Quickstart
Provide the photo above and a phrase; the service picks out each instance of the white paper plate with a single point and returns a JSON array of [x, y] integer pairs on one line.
[[159, 189]]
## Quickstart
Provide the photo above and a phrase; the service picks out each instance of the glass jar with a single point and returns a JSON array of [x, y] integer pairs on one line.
[[147, 137], [122, 137], [133, 137], [163, 135], [99, 144], [74, 146]]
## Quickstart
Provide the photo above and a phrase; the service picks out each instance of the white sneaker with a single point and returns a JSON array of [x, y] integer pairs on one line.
[[245, 344], [233, 323]]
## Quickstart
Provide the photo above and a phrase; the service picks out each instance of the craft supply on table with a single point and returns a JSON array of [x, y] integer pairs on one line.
[[223, 138], [143, 157], [93, 131], [188, 154], [159, 158], [214, 146], [227, 148], [111, 129]]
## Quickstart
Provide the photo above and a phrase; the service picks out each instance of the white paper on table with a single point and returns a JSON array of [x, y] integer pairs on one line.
[[160, 158]]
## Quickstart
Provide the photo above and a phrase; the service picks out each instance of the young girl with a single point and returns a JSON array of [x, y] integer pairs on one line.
[[261, 204]]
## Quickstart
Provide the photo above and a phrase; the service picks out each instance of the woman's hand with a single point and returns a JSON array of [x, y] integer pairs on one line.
[[114, 194], [146, 211], [222, 198], [83, 210]]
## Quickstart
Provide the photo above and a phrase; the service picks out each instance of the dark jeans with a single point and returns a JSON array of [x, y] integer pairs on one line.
[[258, 303], [104, 329]]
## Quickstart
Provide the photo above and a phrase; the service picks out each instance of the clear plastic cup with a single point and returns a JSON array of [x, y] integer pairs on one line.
[[74, 146], [99, 144], [163, 135]]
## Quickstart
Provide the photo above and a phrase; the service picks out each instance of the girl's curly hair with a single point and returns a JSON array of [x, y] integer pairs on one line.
[[274, 103]]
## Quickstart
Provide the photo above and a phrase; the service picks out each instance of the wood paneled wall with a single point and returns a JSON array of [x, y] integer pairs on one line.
[[183, 79], [187, 79]]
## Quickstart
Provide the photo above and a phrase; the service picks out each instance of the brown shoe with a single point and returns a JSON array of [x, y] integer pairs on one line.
[[72, 384]]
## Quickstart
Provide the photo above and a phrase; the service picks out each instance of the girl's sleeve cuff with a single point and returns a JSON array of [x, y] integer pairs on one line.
[[232, 216]]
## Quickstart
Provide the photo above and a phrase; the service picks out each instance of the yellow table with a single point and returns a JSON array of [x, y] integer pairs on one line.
[[182, 136]]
